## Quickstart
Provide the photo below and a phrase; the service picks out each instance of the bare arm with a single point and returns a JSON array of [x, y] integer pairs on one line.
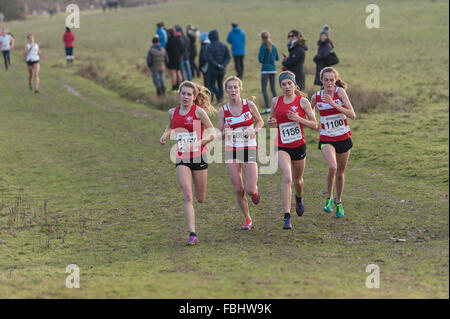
[[168, 129], [271, 121], [259, 121], [347, 109], [210, 132], [221, 122]]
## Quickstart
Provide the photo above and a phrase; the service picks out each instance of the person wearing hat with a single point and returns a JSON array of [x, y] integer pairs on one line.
[[162, 34], [325, 47], [218, 56], [236, 38], [202, 61], [290, 113]]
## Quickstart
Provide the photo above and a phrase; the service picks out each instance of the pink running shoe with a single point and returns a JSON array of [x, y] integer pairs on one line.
[[256, 198], [248, 224], [192, 240]]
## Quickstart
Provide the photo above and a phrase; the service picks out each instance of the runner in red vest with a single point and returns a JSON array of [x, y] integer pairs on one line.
[[240, 121], [288, 114], [188, 120], [335, 142]]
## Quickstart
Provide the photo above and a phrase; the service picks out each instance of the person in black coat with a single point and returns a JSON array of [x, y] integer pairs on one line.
[[325, 47], [218, 56], [185, 66], [174, 50], [294, 62], [192, 34], [202, 61]]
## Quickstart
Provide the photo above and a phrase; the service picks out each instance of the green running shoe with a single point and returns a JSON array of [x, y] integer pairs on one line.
[[339, 209], [30, 87], [328, 205]]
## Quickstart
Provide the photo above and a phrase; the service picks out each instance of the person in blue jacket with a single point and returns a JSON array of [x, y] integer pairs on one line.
[[267, 56], [162, 34], [218, 56], [236, 38]]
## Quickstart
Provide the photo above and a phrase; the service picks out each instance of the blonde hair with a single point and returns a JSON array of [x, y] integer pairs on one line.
[[235, 78], [202, 95], [337, 78], [297, 89]]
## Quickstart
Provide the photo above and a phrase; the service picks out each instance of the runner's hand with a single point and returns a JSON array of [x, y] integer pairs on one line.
[[293, 116], [271, 121], [327, 99]]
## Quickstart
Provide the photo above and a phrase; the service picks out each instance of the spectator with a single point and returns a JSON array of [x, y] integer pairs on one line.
[[156, 62], [236, 38], [174, 50], [294, 62], [325, 47], [162, 34], [185, 66], [68, 39], [202, 61], [268, 54], [192, 34], [218, 57]]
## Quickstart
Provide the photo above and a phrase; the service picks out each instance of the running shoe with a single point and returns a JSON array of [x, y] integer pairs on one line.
[[266, 112], [287, 223], [339, 209], [248, 224], [30, 87], [328, 205], [36, 91], [299, 207], [192, 240], [256, 198]]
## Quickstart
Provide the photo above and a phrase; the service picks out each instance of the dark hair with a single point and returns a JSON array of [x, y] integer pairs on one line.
[[337, 78], [299, 35], [155, 39], [234, 24], [171, 32], [328, 38], [67, 29]]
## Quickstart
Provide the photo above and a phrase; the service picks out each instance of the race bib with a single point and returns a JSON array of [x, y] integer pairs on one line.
[[334, 125], [239, 138], [290, 132], [185, 138]]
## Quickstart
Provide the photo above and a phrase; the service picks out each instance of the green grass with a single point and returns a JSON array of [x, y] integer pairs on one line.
[[113, 203]]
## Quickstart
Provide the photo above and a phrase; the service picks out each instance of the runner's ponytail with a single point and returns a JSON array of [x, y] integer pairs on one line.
[[202, 95], [338, 80]]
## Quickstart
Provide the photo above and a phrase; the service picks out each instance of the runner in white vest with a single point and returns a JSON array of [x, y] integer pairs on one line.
[[32, 56]]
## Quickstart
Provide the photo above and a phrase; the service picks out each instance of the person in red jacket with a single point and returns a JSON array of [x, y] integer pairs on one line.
[[68, 39]]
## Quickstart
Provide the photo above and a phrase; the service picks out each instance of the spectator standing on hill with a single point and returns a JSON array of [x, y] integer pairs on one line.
[[162, 34], [202, 61], [325, 47], [236, 38], [174, 49], [156, 62], [193, 34], [185, 66], [7, 44], [267, 56], [218, 57], [68, 39], [294, 62]]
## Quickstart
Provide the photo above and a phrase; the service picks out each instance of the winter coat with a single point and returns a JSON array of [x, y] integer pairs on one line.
[[156, 58], [202, 60], [324, 50], [295, 61], [162, 34], [192, 36], [268, 59], [68, 39], [174, 49], [217, 54], [236, 38]]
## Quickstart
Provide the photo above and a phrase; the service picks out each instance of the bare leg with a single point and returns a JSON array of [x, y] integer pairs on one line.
[[298, 167], [284, 163], [185, 179], [200, 180], [330, 156], [342, 160], [234, 170], [36, 68]]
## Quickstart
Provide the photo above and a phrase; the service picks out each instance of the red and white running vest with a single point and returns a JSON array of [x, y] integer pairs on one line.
[[334, 124], [290, 133], [235, 138], [188, 129]]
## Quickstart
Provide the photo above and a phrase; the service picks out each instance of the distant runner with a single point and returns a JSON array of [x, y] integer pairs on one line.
[[7, 44], [32, 56]]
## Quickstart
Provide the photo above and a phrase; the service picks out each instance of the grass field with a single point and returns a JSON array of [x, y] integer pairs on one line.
[[85, 181]]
